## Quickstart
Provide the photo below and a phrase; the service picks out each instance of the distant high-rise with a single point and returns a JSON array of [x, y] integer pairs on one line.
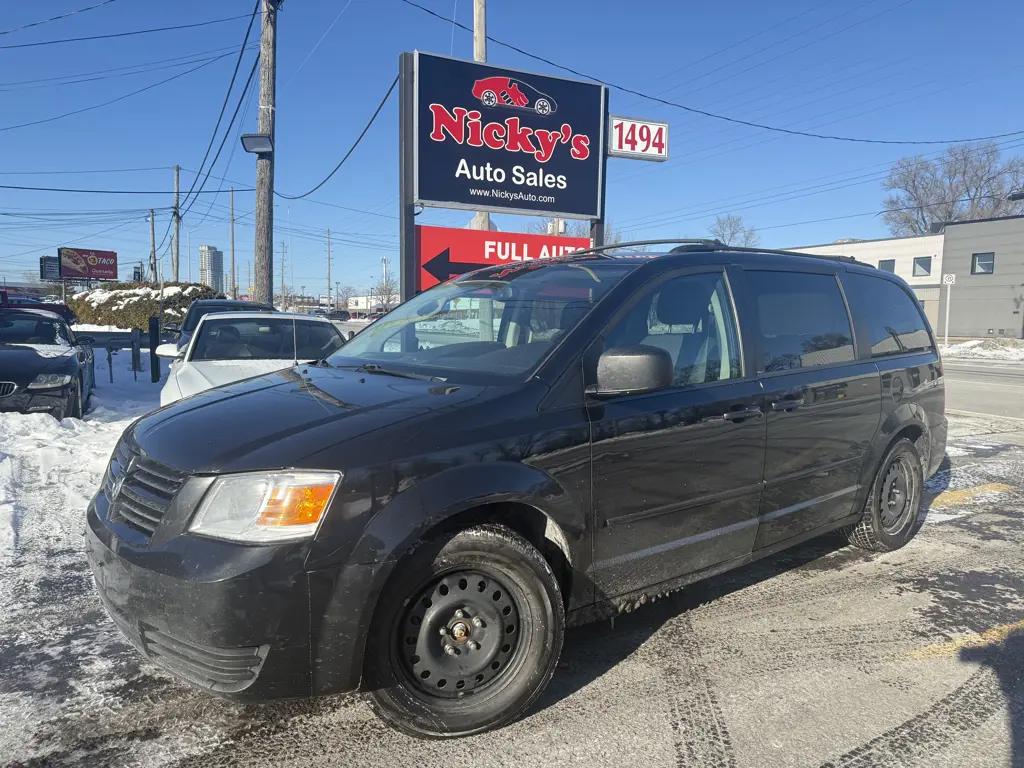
[[211, 267]]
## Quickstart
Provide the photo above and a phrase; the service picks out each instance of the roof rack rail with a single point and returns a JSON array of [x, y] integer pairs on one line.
[[688, 245]]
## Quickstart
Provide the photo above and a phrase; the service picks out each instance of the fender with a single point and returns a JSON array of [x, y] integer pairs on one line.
[[338, 639], [906, 414], [398, 525]]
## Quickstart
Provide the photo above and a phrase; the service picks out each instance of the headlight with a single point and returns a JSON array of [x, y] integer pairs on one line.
[[49, 381], [262, 507]]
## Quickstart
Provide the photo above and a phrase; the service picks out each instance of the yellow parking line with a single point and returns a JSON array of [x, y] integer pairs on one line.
[[952, 648], [956, 498]]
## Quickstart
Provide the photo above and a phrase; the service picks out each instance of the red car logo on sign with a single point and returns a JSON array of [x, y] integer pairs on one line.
[[512, 94]]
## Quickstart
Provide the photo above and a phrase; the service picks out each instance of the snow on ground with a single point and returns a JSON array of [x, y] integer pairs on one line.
[[986, 349], [58, 651], [93, 328]]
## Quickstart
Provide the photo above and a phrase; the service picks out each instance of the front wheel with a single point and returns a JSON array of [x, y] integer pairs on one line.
[[467, 636], [891, 510]]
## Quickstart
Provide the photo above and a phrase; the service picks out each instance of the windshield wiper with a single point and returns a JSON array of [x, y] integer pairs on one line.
[[321, 363], [380, 370]]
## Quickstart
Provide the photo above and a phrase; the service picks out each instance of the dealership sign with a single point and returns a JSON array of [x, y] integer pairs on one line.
[[494, 139], [85, 264], [443, 253], [637, 139]]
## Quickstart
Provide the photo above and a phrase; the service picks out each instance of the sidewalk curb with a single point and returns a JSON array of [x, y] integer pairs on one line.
[[976, 414]]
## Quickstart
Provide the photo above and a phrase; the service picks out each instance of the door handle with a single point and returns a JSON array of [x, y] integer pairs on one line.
[[736, 414], [788, 403]]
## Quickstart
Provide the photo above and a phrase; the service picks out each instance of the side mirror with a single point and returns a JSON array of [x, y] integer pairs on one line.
[[633, 370], [169, 351], [85, 339], [172, 326]]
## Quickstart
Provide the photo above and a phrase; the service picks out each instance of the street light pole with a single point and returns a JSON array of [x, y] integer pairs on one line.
[[264, 255]]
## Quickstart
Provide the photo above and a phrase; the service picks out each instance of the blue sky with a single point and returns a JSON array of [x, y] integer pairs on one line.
[[887, 69]]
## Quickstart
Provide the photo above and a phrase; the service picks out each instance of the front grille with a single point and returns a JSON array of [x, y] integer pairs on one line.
[[216, 669], [7, 388], [146, 491]]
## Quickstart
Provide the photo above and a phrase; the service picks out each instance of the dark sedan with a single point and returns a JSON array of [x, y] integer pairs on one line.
[[44, 366], [202, 307]]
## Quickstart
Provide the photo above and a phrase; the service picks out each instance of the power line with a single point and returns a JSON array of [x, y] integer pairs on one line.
[[351, 149], [227, 97], [56, 82], [55, 18], [313, 49], [705, 113], [106, 191], [234, 116], [112, 101], [68, 173], [122, 34]]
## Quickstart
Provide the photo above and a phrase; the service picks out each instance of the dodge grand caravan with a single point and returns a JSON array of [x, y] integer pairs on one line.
[[524, 447]]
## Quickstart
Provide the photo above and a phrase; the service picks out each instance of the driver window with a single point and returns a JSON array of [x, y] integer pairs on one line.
[[691, 318]]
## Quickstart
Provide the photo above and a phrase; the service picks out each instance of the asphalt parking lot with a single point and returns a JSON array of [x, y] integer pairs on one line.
[[822, 656]]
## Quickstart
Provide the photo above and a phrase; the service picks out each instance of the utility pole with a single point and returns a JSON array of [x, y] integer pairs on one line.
[[481, 220], [282, 277], [328, 268], [152, 246], [248, 280], [234, 281], [337, 290], [177, 228], [265, 162]]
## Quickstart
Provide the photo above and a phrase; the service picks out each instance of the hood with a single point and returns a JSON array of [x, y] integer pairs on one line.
[[216, 373], [278, 419], [21, 363]]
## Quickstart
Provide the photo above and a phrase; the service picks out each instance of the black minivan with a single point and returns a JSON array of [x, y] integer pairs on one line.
[[524, 447]]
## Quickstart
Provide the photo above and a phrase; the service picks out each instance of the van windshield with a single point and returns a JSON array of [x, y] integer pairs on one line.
[[500, 322]]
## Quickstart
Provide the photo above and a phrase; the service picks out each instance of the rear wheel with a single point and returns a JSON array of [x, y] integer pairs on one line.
[[467, 636], [891, 510]]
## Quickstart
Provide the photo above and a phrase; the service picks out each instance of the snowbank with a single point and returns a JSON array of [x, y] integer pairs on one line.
[[986, 349]]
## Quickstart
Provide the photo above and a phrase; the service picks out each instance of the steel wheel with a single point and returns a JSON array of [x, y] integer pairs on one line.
[[543, 107], [896, 494], [489, 99], [459, 635]]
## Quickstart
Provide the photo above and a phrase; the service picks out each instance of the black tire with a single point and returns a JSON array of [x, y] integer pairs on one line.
[[892, 506], [495, 577], [72, 407]]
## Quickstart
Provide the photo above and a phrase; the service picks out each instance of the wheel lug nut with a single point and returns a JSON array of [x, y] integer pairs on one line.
[[473, 646], [449, 650], [459, 614], [477, 621], [443, 630]]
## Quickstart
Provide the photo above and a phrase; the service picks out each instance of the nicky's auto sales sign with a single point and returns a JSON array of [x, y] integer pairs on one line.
[[488, 138]]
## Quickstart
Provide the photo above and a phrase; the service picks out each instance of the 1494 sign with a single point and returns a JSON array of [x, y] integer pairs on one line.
[[638, 139], [495, 139]]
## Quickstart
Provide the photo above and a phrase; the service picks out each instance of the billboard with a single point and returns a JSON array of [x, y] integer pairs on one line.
[[495, 139], [442, 252], [49, 268], [87, 264]]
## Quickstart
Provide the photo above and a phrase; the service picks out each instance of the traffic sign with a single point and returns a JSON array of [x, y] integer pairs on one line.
[[443, 252], [949, 279], [638, 139]]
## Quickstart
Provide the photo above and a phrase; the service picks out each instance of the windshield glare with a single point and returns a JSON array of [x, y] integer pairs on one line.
[[275, 338], [500, 322]]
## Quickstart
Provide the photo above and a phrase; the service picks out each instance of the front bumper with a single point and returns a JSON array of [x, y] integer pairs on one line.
[[244, 622], [34, 400]]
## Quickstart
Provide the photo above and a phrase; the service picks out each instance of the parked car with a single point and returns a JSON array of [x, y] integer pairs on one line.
[[339, 316], [60, 308], [197, 309], [231, 346], [44, 366], [422, 514]]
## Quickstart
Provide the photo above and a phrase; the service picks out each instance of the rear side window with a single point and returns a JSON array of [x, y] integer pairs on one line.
[[893, 319], [803, 320]]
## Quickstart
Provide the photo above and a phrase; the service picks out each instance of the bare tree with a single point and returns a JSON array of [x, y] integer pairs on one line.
[[343, 294], [385, 291], [580, 228], [732, 231], [969, 181]]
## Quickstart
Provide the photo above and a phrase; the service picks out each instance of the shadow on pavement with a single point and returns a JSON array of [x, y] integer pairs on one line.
[[594, 649], [1006, 659]]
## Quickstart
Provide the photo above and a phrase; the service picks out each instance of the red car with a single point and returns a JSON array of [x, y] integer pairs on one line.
[[513, 94]]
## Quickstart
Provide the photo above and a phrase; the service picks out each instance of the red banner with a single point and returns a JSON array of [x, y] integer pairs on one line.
[[85, 264], [443, 253]]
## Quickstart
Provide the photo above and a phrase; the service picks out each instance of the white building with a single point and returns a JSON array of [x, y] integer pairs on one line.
[[211, 267], [984, 257]]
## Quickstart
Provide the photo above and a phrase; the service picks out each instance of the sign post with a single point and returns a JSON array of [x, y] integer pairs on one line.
[[949, 280]]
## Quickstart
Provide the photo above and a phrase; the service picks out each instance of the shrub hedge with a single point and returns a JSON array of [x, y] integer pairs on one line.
[[130, 305]]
